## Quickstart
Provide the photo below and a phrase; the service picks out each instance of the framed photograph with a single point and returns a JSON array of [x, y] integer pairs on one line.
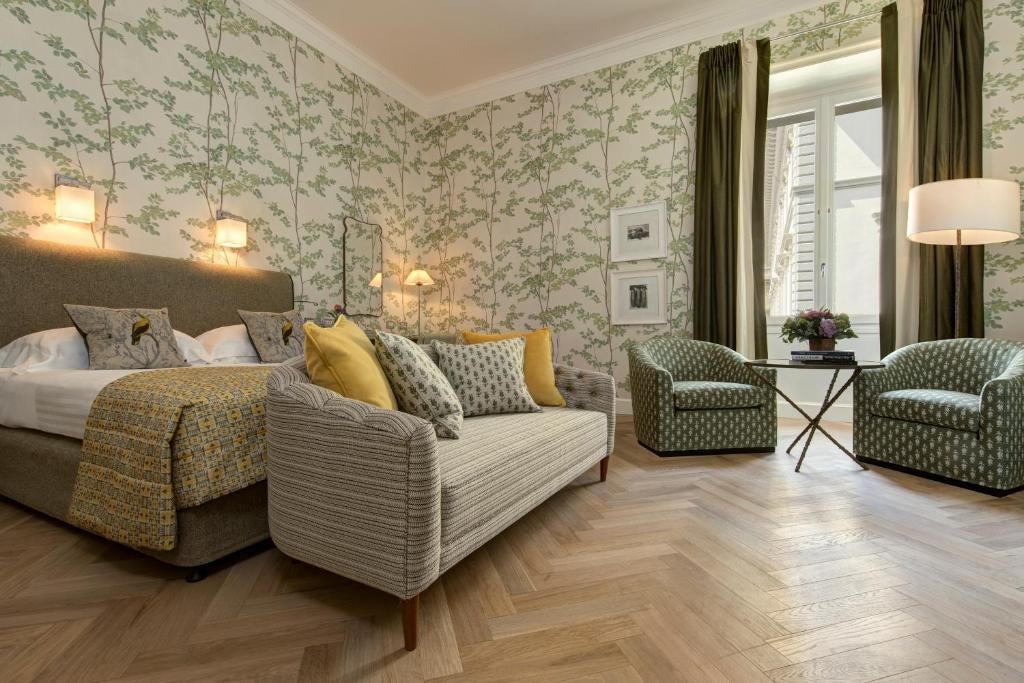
[[638, 297], [639, 232]]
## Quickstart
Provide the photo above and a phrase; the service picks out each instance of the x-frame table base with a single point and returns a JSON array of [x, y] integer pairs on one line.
[[814, 423]]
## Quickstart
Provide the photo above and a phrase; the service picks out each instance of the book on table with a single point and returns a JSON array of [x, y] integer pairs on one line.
[[824, 357]]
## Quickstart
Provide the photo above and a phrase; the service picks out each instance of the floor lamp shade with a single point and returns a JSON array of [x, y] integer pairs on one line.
[[968, 212]]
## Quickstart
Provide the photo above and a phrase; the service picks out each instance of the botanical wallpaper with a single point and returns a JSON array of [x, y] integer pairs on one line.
[[174, 110]]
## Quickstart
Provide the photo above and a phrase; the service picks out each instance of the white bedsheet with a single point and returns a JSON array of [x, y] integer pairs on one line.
[[53, 401]]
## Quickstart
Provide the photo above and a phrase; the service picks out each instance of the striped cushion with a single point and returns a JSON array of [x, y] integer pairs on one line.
[[506, 465]]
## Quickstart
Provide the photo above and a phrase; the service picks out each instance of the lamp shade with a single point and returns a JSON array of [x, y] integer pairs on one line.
[[377, 280], [74, 204], [232, 232], [983, 210], [419, 277]]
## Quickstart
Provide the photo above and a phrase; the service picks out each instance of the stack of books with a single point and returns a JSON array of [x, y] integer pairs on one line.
[[824, 357]]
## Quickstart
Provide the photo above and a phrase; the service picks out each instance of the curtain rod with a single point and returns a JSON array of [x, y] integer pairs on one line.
[[825, 27]]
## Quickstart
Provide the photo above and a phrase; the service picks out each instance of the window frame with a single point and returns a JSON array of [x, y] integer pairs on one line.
[[822, 101]]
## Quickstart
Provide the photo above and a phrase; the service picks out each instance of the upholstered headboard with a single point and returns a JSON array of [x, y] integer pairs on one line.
[[37, 278]]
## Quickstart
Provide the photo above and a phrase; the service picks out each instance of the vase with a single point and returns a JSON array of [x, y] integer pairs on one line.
[[822, 344]]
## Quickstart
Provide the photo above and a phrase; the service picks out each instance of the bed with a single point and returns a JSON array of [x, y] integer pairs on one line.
[[37, 468]]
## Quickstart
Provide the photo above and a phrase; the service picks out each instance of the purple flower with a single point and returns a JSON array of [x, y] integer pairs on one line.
[[828, 328], [338, 308]]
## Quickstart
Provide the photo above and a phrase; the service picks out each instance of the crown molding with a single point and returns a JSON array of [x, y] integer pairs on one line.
[[651, 40], [314, 33]]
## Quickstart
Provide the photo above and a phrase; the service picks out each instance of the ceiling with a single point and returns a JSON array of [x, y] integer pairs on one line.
[[438, 55]]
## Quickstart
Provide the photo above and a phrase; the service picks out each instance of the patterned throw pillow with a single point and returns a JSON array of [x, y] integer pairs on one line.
[[127, 338], [420, 387], [276, 336], [488, 378]]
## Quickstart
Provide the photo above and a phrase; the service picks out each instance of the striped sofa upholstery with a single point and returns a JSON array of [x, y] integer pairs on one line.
[[373, 495], [952, 409]]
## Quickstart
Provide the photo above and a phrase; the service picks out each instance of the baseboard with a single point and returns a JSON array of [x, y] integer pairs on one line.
[[623, 406], [998, 493]]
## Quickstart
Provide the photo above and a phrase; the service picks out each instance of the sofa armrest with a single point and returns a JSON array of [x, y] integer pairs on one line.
[[352, 488], [588, 390], [1002, 404]]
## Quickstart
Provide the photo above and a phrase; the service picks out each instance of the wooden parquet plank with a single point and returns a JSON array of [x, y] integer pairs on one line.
[[713, 568]]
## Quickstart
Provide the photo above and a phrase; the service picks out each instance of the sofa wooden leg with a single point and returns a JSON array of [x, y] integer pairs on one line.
[[410, 609], [604, 467]]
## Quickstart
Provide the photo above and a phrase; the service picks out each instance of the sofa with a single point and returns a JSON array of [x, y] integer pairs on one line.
[[373, 495], [951, 410], [695, 398]]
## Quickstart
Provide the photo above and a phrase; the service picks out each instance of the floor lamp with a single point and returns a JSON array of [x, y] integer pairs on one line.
[[420, 279], [965, 212]]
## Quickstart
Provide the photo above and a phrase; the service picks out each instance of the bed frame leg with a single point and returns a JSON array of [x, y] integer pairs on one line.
[[410, 610], [604, 467], [197, 574]]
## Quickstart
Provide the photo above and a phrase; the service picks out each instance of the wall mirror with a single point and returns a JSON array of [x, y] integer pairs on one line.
[[362, 268]]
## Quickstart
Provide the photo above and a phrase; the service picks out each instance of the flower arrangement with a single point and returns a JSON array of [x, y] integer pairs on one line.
[[819, 326]]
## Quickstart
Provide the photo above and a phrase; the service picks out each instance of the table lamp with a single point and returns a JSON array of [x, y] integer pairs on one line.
[[965, 212], [419, 278]]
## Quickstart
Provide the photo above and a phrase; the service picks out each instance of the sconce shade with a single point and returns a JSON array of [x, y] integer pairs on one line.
[[74, 204], [983, 210], [377, 280], [419, 277], [232, 232]]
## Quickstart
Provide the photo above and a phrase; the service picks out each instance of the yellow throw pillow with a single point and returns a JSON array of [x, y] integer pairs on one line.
[[342, 359], [537, 364]]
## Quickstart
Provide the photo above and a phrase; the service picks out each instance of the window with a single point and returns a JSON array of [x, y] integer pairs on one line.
[[823, 161]]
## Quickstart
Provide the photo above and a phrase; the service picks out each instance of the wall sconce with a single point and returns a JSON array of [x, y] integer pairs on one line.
[[74, 200], [378, 280], [232, 231]]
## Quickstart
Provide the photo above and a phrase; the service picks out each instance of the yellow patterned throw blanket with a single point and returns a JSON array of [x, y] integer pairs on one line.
[[163, 440]]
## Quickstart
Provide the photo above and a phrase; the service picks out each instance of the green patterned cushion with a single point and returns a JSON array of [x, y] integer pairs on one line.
[[420, 387], [488, 378], [952, 409], [127, 338], [716, 395]]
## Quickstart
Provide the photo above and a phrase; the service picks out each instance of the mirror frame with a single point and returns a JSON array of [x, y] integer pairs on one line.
[[379, 237]]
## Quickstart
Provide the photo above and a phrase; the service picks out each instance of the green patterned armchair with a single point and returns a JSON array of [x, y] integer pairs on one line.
[[693, 397], [953, 409]]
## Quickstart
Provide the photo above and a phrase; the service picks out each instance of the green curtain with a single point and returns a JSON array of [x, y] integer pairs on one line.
[[890, 229], [764, 60], [716, 188], [949, 103]]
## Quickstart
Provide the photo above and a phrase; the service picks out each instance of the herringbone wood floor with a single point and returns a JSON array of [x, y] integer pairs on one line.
[[702, 569]]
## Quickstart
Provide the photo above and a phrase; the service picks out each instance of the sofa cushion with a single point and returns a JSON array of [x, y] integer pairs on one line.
[[951, 409], [716, 395], [506, 465], [488, 378], [420, 387]]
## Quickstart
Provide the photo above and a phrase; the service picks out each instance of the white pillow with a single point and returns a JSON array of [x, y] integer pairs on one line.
[[230, 344], [64, 349], [59, 349], [193, 349]]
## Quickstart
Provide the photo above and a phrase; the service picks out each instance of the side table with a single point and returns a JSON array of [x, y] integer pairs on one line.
[[814, 423]]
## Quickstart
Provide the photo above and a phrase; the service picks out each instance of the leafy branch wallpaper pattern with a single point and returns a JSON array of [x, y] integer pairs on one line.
[[176, 109]]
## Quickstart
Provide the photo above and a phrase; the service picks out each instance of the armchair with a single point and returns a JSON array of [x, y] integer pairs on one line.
[[692, 397], [951, 409]]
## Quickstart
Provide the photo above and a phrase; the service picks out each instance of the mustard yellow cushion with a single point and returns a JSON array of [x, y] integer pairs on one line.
[[342, 359], [537, 364]]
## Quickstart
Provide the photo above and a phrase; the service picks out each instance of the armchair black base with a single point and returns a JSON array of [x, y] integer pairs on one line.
[[709, 451], [987, 490]]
